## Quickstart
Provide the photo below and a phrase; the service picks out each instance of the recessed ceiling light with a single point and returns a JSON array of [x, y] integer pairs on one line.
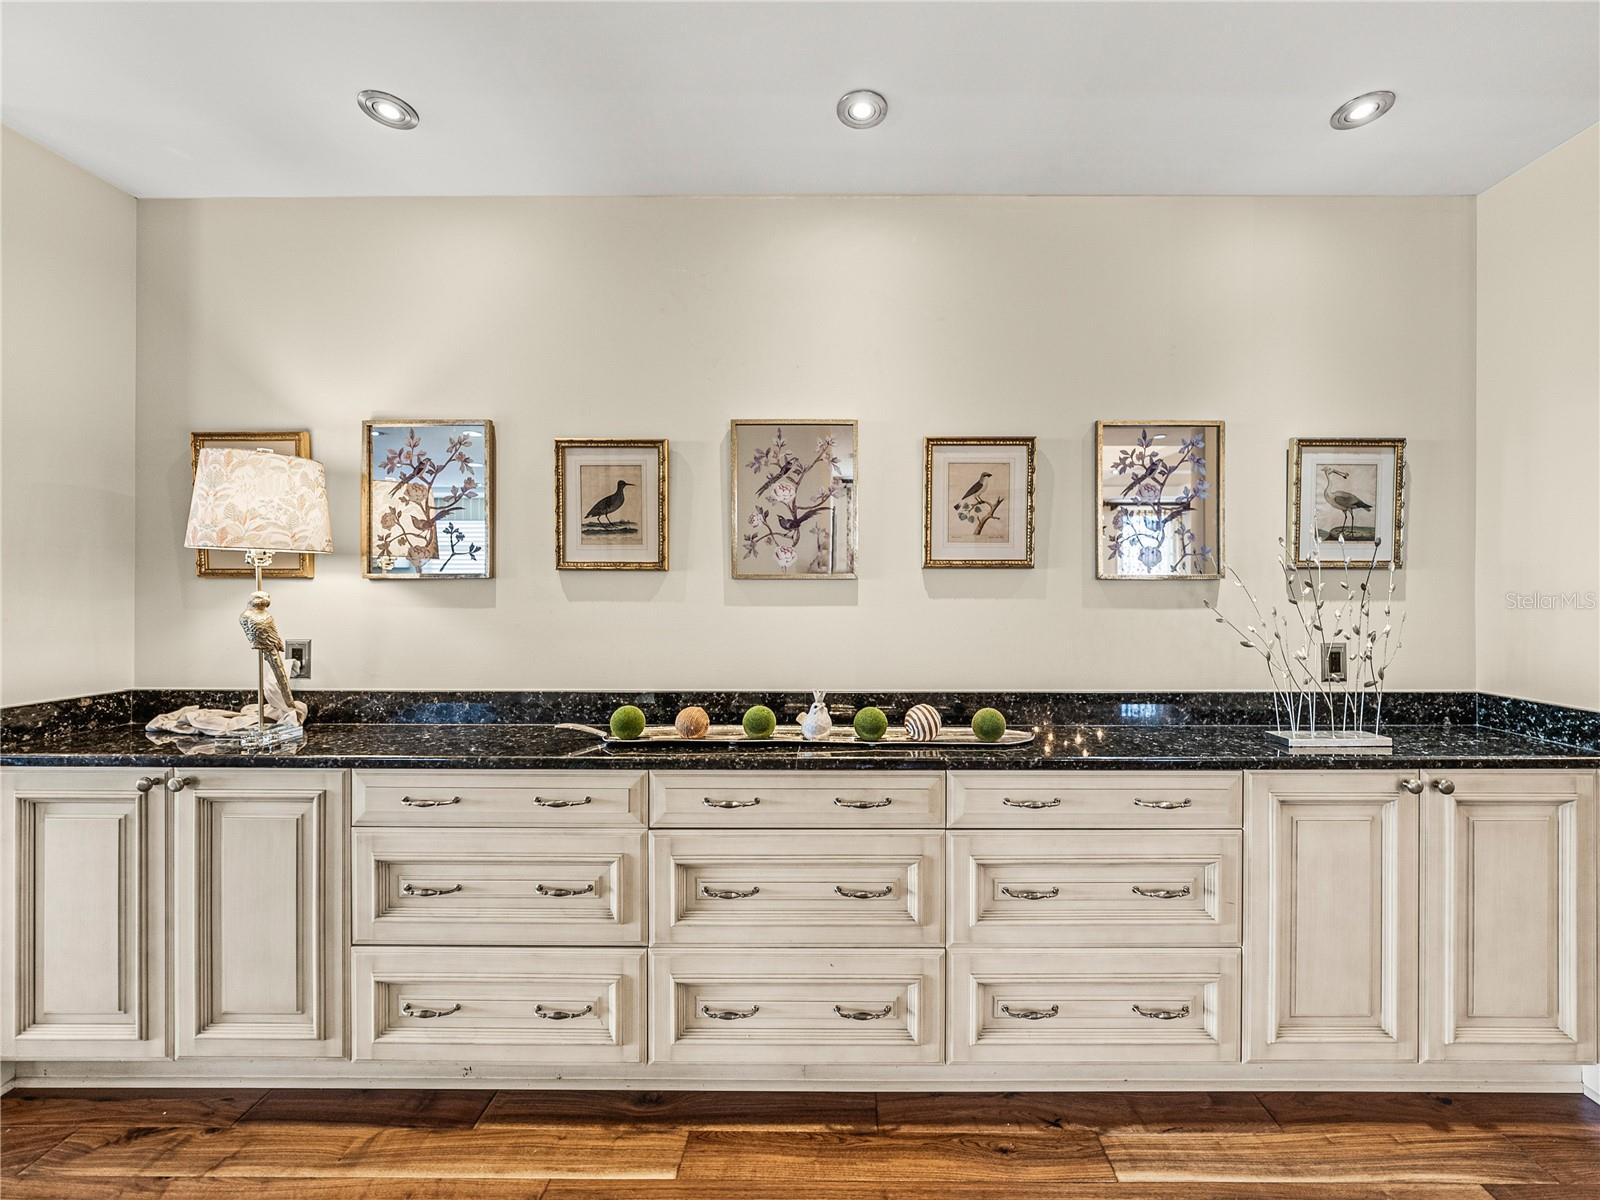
[[1363, 110], [862, 109], [387, 109]]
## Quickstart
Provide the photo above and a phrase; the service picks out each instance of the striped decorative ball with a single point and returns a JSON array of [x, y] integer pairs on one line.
[[922, 723]]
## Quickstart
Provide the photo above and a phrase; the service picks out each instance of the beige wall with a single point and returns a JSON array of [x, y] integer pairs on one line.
[[1538, 546], [917, 316], [67, 258]]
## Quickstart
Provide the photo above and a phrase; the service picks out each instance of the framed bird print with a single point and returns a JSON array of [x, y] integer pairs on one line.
[[427, 499], [793, 490], [1159, 499], [231, 564], [977, 502], [611, 504], [1347, 501]]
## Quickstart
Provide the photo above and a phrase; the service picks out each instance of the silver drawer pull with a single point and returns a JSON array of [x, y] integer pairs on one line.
[[729, 1014], [1162, 1014], [1031, 894], [409, 1009], [426, 802], [750, 803], [1163, 804], [1161, 893], [557, 802], [863, 1014], [843, 803], [416, 889], [561, 1014], [1053, 802], [561, 893], [712, 893], [1031, 1014], [864, 893]]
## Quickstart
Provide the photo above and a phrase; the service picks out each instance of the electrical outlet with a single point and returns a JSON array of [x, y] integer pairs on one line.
[[297, 657], [1334, 662]]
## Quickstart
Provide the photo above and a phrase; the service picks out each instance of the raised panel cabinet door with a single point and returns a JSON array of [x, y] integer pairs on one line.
[[1508, 916], [259, 929], [84, 913], [1331, 916]]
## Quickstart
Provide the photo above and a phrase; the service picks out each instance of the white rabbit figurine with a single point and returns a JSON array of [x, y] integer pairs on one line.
[[816, 724]]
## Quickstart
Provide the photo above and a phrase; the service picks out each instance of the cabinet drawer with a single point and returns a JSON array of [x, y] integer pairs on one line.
[[1085, 1006], [498, 887], [1096, 800], [552, 799], [753, 1009], [1100, 888], [797, 799], [797, 889], [543, 1006]]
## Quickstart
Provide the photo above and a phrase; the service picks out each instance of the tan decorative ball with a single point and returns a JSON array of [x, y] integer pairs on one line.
[[692, 722]]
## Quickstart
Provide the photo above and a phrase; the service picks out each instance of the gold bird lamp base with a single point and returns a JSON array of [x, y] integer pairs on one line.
[[261, 631]]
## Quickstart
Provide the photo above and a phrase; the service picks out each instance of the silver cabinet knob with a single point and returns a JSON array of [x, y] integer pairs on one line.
[[1414, 786], [178, 782], [1445, 787], [145, 783]]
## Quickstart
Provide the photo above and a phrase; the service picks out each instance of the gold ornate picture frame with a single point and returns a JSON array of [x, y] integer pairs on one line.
[[415, 475], [1159, 499], [977, 502], [230, 564], [612, 504], [1352, 488]]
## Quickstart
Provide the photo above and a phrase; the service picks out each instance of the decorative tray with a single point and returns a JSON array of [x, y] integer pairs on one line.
[[723, 737]]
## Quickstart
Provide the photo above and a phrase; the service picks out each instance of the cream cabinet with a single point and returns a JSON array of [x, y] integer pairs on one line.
[[258, 912], [1331, 916], [84, 913], [1508, 917]]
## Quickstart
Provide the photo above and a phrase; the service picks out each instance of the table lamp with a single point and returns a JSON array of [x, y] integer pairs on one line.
[[261, 503]]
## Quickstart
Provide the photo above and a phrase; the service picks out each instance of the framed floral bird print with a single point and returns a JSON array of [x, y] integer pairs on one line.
[[1158, 499], [611, 504], [793, 491], [1347, 501], [977, 502], [427, 499]]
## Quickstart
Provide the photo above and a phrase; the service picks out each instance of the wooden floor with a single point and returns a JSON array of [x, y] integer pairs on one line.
[[482, 1145]]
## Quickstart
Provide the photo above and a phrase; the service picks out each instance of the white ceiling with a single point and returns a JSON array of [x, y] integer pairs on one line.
[[258, 98]]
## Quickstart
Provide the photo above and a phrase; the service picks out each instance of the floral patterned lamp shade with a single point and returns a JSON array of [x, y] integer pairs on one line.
[[258, 500]]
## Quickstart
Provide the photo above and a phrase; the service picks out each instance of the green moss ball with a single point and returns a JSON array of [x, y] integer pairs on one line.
[[627, 722], [988, 725], [759, 721], [871, 724]]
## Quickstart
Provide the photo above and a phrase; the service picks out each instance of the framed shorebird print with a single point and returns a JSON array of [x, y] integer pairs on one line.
[[427, 499], [1347, 501], [977, 502], [611, 504], [793, 490], [1158, 495], [231, 564]]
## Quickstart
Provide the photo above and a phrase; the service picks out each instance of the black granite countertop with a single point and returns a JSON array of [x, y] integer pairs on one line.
[[1057, 747]]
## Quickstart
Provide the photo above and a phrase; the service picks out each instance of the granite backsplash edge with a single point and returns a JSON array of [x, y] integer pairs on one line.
[[32, 724]]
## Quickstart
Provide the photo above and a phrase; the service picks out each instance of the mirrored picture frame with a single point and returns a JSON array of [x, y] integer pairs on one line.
[[1349, 487], [427, 499], [977, 502], [1159, 499], [792, 489], [231, 564], [612, 505]]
